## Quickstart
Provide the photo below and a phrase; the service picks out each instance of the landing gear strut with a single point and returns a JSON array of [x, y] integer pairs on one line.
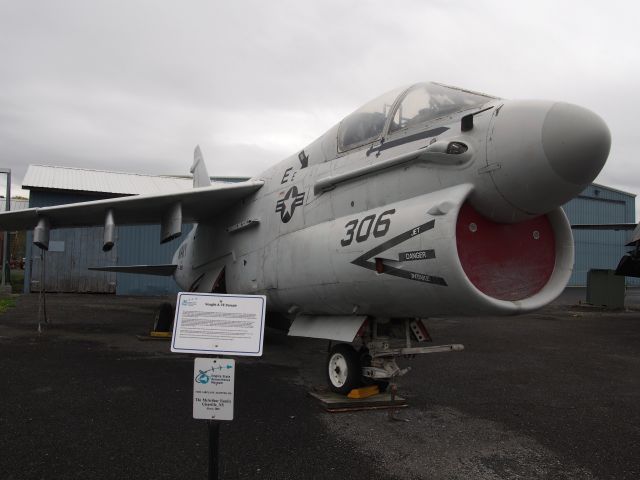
[[163, 318], [374, 362]]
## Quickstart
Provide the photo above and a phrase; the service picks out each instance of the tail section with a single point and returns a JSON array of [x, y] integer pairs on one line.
[[199, 170]]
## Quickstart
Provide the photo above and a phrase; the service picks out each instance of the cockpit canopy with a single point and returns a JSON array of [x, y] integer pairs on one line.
[[402, 109]]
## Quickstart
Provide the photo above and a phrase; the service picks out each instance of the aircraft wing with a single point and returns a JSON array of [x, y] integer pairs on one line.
[[188, 206]]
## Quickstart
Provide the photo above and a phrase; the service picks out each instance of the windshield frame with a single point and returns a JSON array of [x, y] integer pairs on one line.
[[420, 125], [343, 149]]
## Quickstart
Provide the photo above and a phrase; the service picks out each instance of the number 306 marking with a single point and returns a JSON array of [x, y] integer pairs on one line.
[[362, 228]]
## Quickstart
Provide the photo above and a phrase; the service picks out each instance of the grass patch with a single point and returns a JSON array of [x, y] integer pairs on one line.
[[6, 303]]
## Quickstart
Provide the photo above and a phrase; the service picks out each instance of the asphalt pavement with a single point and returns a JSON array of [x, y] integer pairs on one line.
[[553, 395]]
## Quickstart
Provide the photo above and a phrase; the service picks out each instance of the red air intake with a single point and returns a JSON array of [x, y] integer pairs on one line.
[[506, 261]]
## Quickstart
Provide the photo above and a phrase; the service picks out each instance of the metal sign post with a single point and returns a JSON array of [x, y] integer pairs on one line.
[[214, 449], [214, 324], [5, 244], [213, 392]]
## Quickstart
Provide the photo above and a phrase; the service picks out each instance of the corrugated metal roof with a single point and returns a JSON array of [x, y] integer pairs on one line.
[[82, 179], [16, 204], [599, 185]]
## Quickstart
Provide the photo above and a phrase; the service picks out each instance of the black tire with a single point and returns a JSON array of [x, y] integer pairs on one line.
[[343, 369], [163, 321]]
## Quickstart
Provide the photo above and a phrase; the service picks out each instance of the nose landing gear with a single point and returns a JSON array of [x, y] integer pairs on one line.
[[374, 360]]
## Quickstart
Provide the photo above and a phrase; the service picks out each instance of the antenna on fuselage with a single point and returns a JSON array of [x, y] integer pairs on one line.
[[199, 170]]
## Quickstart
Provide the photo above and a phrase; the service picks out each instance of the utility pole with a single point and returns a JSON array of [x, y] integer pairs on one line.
[[6, 272]]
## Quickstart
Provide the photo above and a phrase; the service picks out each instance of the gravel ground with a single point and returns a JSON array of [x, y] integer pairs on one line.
[[555, 394]]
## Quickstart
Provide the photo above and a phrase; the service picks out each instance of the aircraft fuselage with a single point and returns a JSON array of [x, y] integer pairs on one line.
[[457, 214]]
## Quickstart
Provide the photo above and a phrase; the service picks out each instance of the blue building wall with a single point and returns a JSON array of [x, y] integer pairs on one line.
[[599, 248], [75, 250], [135, 245], [140, 245]]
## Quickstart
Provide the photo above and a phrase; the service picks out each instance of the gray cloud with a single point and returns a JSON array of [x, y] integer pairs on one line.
[[134, 86]]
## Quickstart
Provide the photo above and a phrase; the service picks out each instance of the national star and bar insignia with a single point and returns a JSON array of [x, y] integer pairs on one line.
[[286, 206]]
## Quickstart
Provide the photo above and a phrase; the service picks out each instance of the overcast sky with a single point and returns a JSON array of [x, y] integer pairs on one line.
[[134, 85]]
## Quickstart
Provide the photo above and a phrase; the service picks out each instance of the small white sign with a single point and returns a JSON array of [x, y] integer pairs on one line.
[[213, 387], [219, 324]]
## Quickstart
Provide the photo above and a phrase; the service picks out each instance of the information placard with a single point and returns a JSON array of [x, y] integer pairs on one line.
[[213, 388], [219, 324]]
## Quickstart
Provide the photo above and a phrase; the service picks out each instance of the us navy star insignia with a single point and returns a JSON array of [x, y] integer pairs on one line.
[[287, 205]]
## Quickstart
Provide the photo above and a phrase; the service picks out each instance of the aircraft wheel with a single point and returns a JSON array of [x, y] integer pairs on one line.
[[163, 321], [344, 370]]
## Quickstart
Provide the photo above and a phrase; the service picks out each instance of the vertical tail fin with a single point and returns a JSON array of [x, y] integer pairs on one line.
[[199, 170]]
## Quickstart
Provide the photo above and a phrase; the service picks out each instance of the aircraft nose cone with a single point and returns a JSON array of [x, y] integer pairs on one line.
[[576, 142], [540, 154]]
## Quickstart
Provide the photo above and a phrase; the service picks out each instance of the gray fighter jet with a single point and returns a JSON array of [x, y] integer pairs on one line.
[[428, 201]]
